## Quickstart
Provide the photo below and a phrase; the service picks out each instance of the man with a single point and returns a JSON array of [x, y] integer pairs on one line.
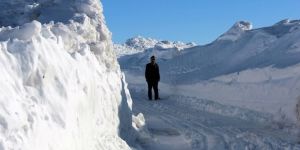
[[152, 77]]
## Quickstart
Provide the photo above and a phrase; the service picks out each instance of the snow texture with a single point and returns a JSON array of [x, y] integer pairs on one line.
[[61, 85]]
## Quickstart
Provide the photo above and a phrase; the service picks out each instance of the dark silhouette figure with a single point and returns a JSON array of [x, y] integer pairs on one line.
[[152, 77]]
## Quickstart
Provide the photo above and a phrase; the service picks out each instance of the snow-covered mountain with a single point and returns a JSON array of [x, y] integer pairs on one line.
[[61, 85], [253, 68], [139, 44]]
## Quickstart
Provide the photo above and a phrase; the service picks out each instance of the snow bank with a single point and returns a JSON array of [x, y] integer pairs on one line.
[[61, 85]]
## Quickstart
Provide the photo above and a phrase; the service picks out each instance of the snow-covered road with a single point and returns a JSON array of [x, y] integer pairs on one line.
[[183, 123]]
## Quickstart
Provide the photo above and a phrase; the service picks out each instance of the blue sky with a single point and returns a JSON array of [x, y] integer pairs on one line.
[[200, 21]]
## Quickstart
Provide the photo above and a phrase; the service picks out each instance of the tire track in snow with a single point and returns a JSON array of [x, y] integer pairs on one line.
[[206, 130]]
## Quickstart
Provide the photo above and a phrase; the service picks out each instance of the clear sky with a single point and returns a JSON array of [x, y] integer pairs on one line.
[[200, 21]]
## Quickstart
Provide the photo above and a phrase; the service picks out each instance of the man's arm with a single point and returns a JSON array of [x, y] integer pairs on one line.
[[158, 73], [146, 73]]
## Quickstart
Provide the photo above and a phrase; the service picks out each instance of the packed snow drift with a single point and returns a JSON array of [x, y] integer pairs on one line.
[[61, 85]]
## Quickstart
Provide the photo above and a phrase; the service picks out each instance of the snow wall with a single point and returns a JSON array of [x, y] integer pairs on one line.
[[61, 86]]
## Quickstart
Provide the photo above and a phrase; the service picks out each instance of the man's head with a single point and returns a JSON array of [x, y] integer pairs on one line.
[[152, 59]]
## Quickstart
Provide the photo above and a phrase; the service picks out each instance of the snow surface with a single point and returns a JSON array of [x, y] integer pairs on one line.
[[61, 85], [239, 92]]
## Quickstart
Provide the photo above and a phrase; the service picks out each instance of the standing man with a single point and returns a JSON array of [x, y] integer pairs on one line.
[[152, 77]]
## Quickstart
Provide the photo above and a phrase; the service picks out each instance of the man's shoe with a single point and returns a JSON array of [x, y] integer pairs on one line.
[[157, 99]]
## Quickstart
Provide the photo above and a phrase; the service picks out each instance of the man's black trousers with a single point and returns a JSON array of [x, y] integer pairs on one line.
[[153, 85]]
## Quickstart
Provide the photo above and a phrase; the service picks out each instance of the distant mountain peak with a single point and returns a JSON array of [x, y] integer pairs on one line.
[[287, 22], [141, 42], [236, 31], [242, 25]]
